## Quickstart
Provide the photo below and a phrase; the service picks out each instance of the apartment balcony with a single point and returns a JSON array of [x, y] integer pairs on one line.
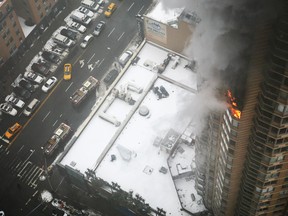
[[280, 49], [273, 66]]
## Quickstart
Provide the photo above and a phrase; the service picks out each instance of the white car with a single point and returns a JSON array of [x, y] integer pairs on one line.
[[14, 101], [85, 11], [37, 78], [7, 108], [49, 84], [77, 26], [86, 41]]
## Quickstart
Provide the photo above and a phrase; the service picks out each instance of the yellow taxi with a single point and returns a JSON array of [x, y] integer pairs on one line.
[[111, 8], [67, 71], [12, 130]]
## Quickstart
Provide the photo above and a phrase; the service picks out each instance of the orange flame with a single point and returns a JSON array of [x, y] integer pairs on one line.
[[233, 105]]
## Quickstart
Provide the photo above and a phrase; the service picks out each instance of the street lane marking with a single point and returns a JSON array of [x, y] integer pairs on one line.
[[68, 86], [130, 6], [20, 149], [59, 184], [29, 173], [35, 193], [36, 111], [17, 165], [34, 183], [46, 116], [101, 62], [121, 36], [90, 58], [28, 201], [19, 173], [30, 176], [140, 9], [32, 151], [111, 32], [55, 122]]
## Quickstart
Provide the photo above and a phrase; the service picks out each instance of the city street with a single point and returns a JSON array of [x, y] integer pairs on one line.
[[22, 162]]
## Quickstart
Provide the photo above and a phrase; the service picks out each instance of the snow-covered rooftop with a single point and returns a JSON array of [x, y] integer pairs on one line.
[[163, 14], [140, 163], [26, 29]]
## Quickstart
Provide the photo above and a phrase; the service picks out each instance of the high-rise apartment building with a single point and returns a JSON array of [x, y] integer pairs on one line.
[[11, 34], [243, 153], [33, 10]]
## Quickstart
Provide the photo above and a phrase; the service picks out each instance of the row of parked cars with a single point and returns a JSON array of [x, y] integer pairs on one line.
[[39, 72]]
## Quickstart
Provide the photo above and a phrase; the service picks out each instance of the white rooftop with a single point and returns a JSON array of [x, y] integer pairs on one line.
[[138, 159], [164, 14]]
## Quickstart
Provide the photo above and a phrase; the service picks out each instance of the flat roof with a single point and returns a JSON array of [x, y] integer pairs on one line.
[[138, 161]]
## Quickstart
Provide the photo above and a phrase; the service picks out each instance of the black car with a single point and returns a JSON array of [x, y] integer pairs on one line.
[[22, 93], [41, 68], [49, 56], [27, 85], [69, 33], [111, 76], [98, 29]]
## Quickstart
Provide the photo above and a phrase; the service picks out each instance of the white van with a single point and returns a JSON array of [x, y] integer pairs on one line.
[[92, 5], [63, 40], [31, 107], [123, 59], [81, 18]]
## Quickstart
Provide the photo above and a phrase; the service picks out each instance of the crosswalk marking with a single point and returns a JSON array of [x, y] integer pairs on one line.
[[25, 171]]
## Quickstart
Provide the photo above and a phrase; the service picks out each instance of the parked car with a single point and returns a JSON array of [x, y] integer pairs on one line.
[[22, 93], [31, 107], [77, 26], [92, 5], [13, 130], [49, 56], [123, 59], [99, 27], [100, 2], [86, 40], [62, 41], [69, 33], [111, 76], [8, 109], [49, 84], [42, 68], [36, 78], [85, 11], [111, 8], [14, 101], [27, 85]]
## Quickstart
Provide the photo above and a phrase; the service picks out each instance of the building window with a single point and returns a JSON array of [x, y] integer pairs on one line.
[[4, 36], [8, 7], [39, 7], [14, 24], [12, 49], [4, 23], [17, 32]]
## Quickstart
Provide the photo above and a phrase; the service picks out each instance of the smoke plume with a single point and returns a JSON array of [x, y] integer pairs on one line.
[[221, 43]]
